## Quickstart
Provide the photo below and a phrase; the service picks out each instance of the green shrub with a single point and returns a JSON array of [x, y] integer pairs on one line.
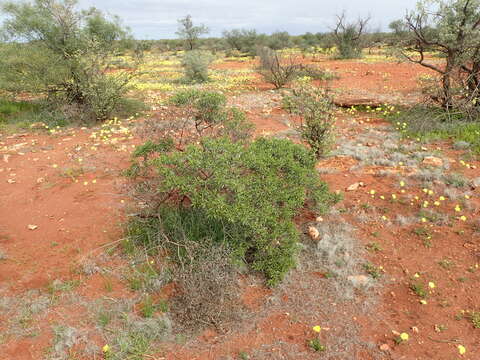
[[316, 345], [219, 205], [150, 147], [315, 108], [195, 64], [247, 197], [475, 318], [208, 106], [57, 50], [242, 41], [210, 114]]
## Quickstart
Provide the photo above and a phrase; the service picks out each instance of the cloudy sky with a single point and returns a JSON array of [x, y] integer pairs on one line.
[[155, 19]]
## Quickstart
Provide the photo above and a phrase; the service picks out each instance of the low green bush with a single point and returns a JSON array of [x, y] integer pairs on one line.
[[210, 114], [55, 51], [315, 108], [218, 204], [195, 64], [208, 106], [253, 191]]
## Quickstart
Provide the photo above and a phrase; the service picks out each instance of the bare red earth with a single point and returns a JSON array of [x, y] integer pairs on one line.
[[74, 216]]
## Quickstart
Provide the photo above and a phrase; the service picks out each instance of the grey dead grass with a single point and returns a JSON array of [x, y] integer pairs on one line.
[[335, 299]]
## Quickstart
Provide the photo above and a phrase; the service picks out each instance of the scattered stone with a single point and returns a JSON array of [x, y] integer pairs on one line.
[[6, 157], [32, 227], [40, 180], [355, 186], [313, 232], [385, 347], [476, 183], [359, 280], [432, 161]]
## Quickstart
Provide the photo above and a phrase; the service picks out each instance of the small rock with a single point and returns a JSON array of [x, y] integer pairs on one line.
[[359, 280], [40, 180], [385, 347], [313, 232], [6, 157], [476, 183], [32, 227], [355, 186], [432, 161]]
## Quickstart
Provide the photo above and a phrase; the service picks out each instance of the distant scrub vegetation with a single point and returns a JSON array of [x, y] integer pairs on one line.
[[63, 55]]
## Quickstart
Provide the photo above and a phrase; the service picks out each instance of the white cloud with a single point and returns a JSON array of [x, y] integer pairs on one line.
[[158, 19]]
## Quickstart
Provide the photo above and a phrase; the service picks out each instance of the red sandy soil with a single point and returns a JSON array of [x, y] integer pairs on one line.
[[74, 221]]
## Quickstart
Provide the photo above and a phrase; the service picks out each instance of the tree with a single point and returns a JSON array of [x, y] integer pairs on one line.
[[451, 28], [279, 40], [398, 27], [349, 36], [56, 50], [242, 40], [189, 32]]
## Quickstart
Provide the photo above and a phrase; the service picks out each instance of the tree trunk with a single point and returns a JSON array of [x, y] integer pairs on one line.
[[447, 99]]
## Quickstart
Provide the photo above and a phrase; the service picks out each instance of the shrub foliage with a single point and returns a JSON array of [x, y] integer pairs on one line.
[[452, 29], [195, 64], [247, 192], [56, 50], [315, 108]]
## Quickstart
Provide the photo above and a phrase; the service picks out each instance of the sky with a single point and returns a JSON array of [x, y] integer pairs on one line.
[[157, 19]]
